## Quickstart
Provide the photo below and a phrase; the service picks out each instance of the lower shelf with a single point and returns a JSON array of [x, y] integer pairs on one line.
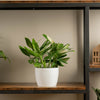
[[31, 88]]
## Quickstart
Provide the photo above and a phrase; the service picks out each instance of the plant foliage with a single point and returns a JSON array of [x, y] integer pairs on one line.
[[2, 55], [48, 55], [97, 91]]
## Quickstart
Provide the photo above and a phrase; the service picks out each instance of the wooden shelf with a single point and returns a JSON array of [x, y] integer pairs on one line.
[[54, 1], [30, 88], [94, 68], [49, 4]]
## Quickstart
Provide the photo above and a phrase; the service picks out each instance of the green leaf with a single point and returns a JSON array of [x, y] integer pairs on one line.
[[71, 51], [45, 44], [46, 58], [97, 91], [54, 47], [37, 65], [35, 45], [98, 98], [28, 42], [2, 55], [31, 52], [45, 50], [50, 55], [37, 60], [24, 51], [48, 38], [53, 64], [44, 35], [66, 46], [59, 63], [60, 46], [62, 55], [64, 60], [31, 61]]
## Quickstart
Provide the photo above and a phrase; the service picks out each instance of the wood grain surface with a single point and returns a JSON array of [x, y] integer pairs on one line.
[[94, 66], [32, 86]]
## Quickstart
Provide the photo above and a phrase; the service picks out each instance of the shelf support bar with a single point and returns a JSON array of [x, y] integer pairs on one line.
[[86, 51]]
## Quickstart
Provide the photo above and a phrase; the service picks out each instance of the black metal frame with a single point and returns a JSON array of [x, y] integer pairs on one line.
[[42, 91], [94, 69], [50, 6], [86, 51], [30, 6]]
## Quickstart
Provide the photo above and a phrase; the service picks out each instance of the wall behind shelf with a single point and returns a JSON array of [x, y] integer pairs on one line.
[[94, 41], [62, 26]]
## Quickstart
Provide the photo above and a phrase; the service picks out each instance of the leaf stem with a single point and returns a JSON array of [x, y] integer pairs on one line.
[[42, 61]]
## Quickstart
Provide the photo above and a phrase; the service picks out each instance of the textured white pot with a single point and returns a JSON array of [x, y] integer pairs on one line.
[[46, 77]]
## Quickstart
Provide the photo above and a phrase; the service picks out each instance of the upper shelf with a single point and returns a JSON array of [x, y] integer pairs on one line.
[[30, 88], [50, 4], [54, 1]]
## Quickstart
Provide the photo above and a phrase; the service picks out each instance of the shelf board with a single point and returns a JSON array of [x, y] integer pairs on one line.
[[94, 68], [49, 4], [31, 88], [53, 1]]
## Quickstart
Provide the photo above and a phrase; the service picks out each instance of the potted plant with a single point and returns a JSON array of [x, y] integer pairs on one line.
[[46, 59], [97, 91]]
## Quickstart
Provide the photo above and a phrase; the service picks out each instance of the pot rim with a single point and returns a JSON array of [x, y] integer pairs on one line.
[[46, 68]]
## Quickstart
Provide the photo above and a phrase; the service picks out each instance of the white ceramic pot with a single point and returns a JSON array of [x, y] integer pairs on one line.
[[46, 77]]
